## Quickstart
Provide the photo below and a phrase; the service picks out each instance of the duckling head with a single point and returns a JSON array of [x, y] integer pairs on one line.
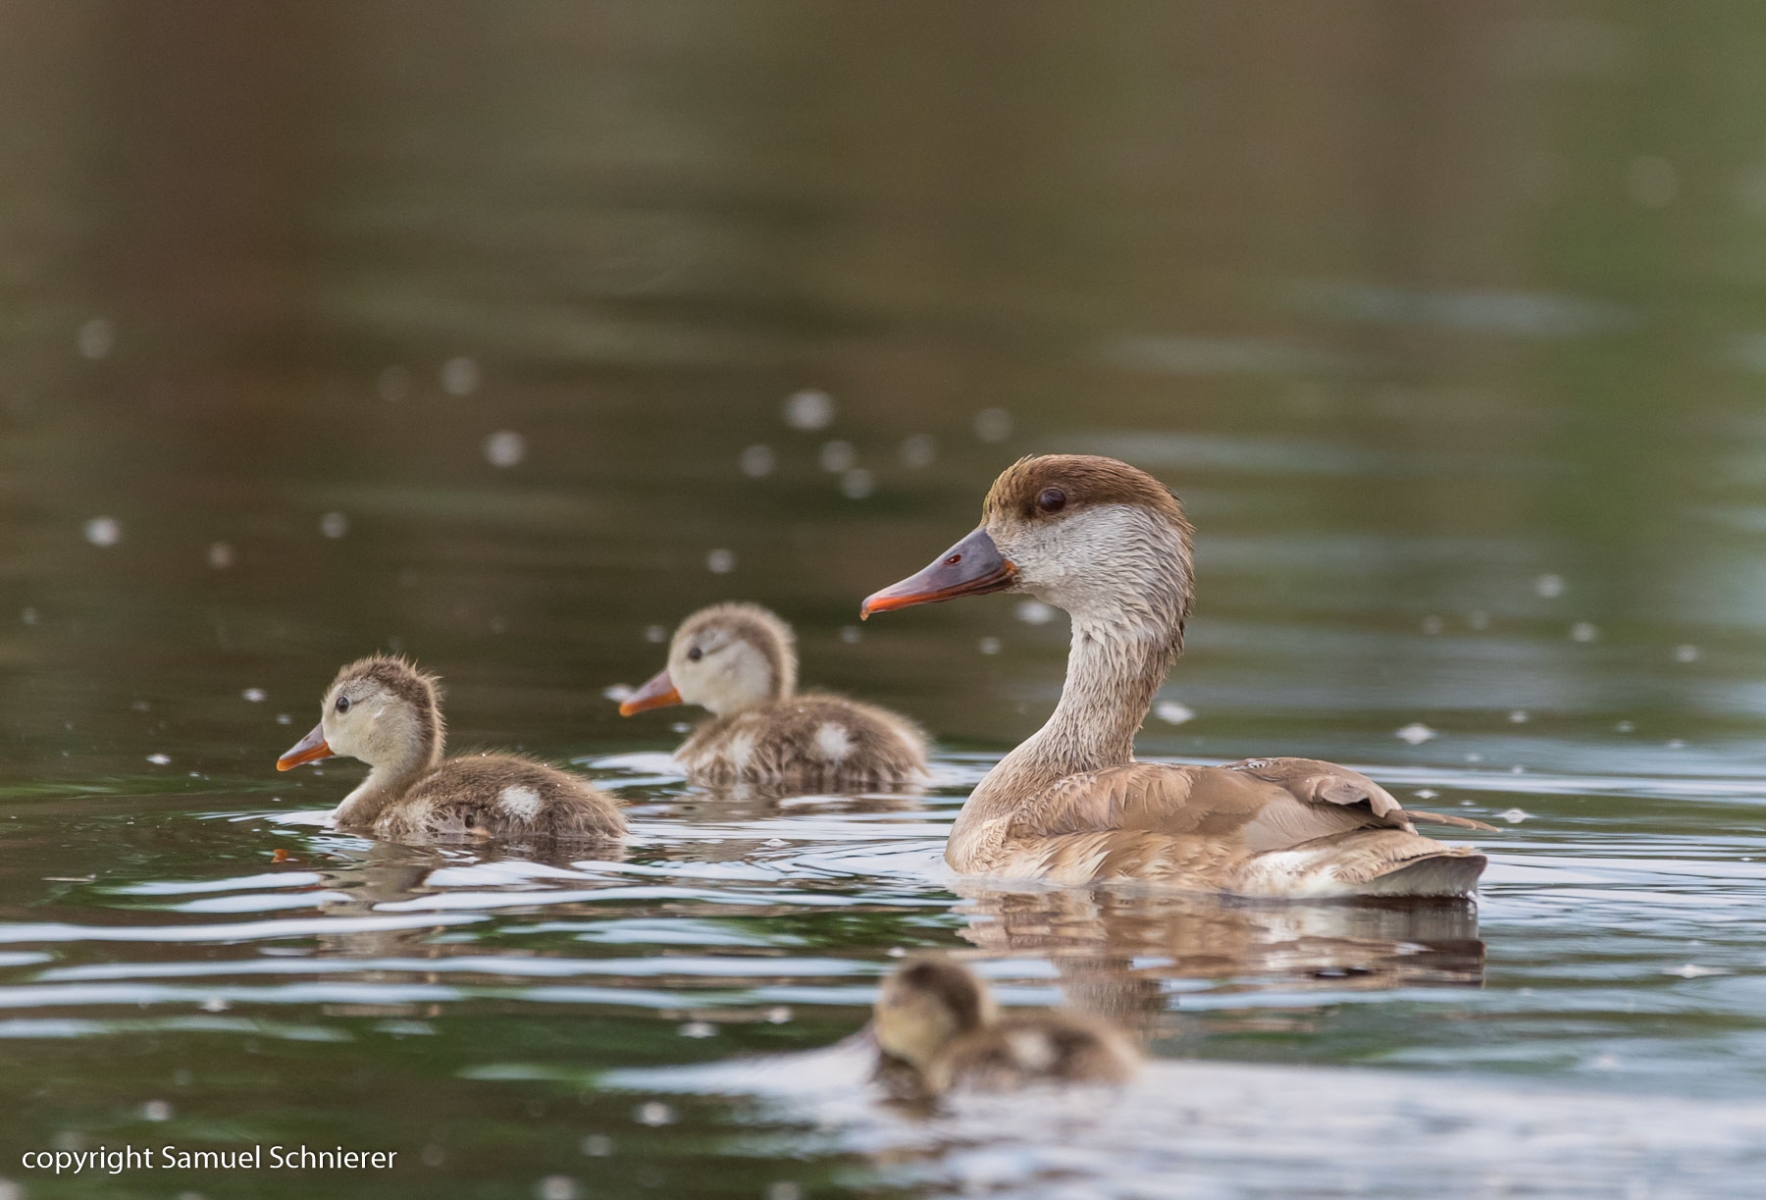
[[381, 710], [725, 658], [1097, 537], [925, 1005]]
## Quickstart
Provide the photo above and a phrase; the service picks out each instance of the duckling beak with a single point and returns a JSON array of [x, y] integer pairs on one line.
[[309, 749], [658, 693], [972, 567]]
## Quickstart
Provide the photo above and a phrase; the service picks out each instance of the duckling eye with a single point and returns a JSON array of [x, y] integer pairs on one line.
[[695, 654], [343, 704], [1052, 500]]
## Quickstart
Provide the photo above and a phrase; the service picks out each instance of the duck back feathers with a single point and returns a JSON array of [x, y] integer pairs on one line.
[[809, 740]]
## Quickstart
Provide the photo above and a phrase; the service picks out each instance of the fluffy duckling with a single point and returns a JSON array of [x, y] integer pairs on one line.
[[941, 1020], [740, 662], [387, 713]]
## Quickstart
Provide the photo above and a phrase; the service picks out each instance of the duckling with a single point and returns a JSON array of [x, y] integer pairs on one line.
[[940, 1019], [385, 712], [740, 662]]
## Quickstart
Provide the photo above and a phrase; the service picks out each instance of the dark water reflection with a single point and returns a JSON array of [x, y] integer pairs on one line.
[[473, 331]]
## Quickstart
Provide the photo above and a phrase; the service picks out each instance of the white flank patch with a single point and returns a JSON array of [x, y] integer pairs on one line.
[[832, 742], [1032, 1048], [741, 750], [520, 801]]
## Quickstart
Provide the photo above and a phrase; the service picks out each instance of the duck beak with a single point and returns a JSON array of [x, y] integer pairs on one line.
[[658, 693], [309, 749], [972, 567]]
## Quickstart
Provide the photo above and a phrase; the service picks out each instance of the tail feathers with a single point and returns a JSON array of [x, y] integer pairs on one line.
[[1429, 818], [1453, 872]]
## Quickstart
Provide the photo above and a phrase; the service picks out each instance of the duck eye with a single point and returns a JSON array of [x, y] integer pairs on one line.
[[343, 704], [1052, 500], [695, 654]]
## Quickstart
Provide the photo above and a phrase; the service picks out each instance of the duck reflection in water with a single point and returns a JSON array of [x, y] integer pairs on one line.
[[1119, 953]]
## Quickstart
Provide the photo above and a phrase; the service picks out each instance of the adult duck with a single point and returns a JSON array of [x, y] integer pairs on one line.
[[1109, 544], [387, 713], [739, 661]]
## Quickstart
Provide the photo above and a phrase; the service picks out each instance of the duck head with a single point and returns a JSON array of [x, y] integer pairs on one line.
[[381, 710], [725, 658], [925, 1005], [1101, 539]]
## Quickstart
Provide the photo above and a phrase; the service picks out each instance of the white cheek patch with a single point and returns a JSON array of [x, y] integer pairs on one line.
[[832, 742], [519, 801]]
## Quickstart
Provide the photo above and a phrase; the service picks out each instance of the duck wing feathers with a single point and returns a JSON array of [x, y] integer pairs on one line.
[[490, 795], [1270, 826]]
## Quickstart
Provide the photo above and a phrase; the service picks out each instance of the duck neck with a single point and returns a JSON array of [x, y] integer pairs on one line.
[[386, 782], [1113, 671]]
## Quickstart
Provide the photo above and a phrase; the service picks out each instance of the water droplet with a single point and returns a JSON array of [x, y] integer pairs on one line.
[[989, 645], [697, 1029], [1549, 587], [156, 1110], [993, 424], [505, 448], [394, 384], [850, 634], [619, 693], [104, 531], [215, 1004], [1676, 743], [655, 634], [597, 1145], [1513, 816], [778, 1015], [919, 451], [334, 524], [1035, 612], [1416, 733], [809, 409], [757, 461], [720, 562], [284, 719], [1686, 654], [220, 556], [96, 339], [556, 1187], [1519, 716], [654, 1114], [159, 760], [255, 695], [1584, 631], [29, 616], [856, 484], [1425, 793], [460, 376], [1173, 713]]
